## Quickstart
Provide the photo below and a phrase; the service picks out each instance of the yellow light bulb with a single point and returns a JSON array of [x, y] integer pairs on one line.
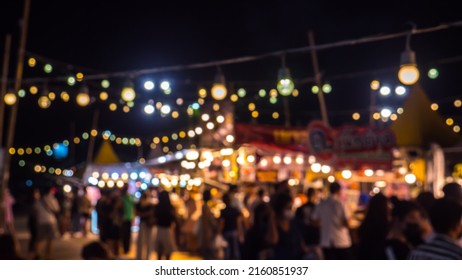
[[10, 98], [128, 93], [219, 91], [83, 99], [408, 74]]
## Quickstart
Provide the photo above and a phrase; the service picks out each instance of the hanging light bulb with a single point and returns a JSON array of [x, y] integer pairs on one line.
[[408, 73], [285, 84], [83, 97], [219, 90], [128, 93], [44, 102], [10, 98]]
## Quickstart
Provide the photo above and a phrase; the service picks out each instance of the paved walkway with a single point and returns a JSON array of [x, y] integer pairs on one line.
[[69, 248]]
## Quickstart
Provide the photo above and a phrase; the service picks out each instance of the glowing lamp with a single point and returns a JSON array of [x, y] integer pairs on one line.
[[83, 99], [285, 84], [408, 73], [219, 90], [44, 102], [410, 178], [128, 93], [10, 98]]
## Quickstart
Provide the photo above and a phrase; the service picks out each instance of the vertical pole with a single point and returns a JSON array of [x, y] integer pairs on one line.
[[72, 144], [317, 76], [14, 108], [140, 151], [285, 101], [372, 106], [91, 144], [6, 63]]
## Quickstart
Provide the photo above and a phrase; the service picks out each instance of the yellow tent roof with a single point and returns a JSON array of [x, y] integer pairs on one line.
[[106, 154], [420, 126]]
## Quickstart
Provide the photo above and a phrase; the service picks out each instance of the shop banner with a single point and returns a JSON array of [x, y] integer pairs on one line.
[[278, 137], [351, 147]]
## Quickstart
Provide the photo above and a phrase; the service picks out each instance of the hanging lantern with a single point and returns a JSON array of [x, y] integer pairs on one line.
[[128, 92], [219, 90], [83, 98], [10, 98]]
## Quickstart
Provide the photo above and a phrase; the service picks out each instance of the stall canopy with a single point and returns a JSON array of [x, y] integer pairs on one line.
[[107, 161], [106, 154], [419, 126]]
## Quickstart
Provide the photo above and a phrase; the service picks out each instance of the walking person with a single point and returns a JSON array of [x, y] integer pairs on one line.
[[165, 220], [85, 209], [145, 211], [32, 224], [333, 222], [289, 245], [231, 227], [262, 236], [47, 223], [208, 227], [8, 203], [128, 202], [75, 213], [374, 229], [103, 212], [190, 225], [114, 225], [308, 228], [66, 214]]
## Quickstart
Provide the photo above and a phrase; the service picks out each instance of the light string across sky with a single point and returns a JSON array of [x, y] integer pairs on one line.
[[164, 109], [244, 59]]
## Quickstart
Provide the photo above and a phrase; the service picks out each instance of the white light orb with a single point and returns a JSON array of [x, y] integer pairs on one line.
[[226, 163], [165, 109], [277, 159], [149, 109], [149, 85], [385, 91], [287, 160], [220, 119], [400, 90], [205, 117], [316, 167], [347, 174], [230, 138], [410, 178], [325, 169], [385, 113], [368, 172], [165, 85], [192, 155]]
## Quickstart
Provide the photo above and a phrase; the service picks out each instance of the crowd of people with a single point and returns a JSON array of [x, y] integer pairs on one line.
[[264, 223]]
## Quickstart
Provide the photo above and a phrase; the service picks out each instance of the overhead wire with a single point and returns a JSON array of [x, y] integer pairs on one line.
[[279, 53]]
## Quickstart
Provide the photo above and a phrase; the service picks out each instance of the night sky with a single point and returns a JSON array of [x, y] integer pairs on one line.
[[110, 36]]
